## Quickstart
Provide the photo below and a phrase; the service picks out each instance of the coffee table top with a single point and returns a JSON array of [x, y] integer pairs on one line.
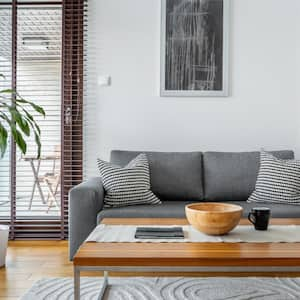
[[187, 254]]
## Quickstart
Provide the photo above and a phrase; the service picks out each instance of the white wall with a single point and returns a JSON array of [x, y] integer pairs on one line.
[[262, 110], [298, 78]]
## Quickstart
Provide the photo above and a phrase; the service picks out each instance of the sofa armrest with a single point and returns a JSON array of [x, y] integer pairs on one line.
[[85, 202]]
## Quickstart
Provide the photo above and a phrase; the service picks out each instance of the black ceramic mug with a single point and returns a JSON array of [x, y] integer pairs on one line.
[[259, 217]]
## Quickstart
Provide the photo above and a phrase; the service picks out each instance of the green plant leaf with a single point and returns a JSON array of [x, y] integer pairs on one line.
[[19, 139], [17, 117], [38, 142], [3, 140], [36, 130], [36, 107], [25, 127], [8, 91], [20, 121], [31, 120], [4, 117]]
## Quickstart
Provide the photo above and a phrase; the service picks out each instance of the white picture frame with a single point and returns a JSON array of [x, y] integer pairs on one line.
[[195, 92]]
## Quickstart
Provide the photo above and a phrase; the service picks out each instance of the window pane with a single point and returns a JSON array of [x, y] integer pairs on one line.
[[5, 69], [39, 80]]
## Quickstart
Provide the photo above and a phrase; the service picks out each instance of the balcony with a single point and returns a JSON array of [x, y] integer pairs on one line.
[[37, 188]]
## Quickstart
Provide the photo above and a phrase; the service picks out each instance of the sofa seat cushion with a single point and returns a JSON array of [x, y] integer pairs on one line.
[[175, 209], [277, 210], [168, 209], [173, 175], [231, 176]]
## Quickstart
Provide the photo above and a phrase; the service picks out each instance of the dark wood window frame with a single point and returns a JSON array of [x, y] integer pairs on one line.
[[72, 102], [73, 13]]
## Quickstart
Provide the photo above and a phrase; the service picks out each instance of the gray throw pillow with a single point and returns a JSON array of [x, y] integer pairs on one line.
[[278, 181], [129, 185]]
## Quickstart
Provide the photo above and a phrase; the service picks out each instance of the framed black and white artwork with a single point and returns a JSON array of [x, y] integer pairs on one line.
[[194, 48]]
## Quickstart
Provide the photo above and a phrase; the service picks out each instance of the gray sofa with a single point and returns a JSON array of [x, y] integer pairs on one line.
[[177, 178]]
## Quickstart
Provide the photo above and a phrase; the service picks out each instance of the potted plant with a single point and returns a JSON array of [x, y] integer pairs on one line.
[[14, 115], [15, 119], [4, 230]]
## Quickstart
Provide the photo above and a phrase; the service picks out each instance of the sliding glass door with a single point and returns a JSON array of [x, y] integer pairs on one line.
[[30, 60], [39, 40], [42, 56], [5, 83]]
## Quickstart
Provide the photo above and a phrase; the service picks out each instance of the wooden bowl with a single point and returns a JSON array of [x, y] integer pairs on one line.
[[213, 218]]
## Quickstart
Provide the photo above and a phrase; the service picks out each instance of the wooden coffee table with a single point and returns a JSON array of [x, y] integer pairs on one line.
[[211, 259]]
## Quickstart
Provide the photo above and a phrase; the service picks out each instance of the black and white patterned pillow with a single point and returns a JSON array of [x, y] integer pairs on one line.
[[129, 185], [278, 180]]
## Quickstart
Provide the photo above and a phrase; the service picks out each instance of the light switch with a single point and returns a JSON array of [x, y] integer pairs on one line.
[[104, 80]]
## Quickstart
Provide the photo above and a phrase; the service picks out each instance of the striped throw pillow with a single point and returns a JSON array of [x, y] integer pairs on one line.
[[278, 181], [129, 185]]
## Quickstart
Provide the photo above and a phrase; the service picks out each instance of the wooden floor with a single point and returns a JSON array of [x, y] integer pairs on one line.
[[28, 261]]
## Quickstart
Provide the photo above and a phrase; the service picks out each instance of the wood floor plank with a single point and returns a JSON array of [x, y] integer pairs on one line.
[[12, 292], [29, 261], [16, 284]]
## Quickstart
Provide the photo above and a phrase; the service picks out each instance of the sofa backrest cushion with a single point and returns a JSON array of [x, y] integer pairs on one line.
[[173, 175], [231, 176]]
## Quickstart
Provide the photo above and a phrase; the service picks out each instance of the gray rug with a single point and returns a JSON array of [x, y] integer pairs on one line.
[[170, 288]]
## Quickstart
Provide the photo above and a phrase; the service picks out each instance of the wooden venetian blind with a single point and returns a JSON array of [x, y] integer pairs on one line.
[[30, 58], [49, 76], [38, 78], [74, 17]]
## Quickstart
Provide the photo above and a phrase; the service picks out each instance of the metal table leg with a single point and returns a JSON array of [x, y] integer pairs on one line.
[[76, 283], [35, 172], [104, 285]]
